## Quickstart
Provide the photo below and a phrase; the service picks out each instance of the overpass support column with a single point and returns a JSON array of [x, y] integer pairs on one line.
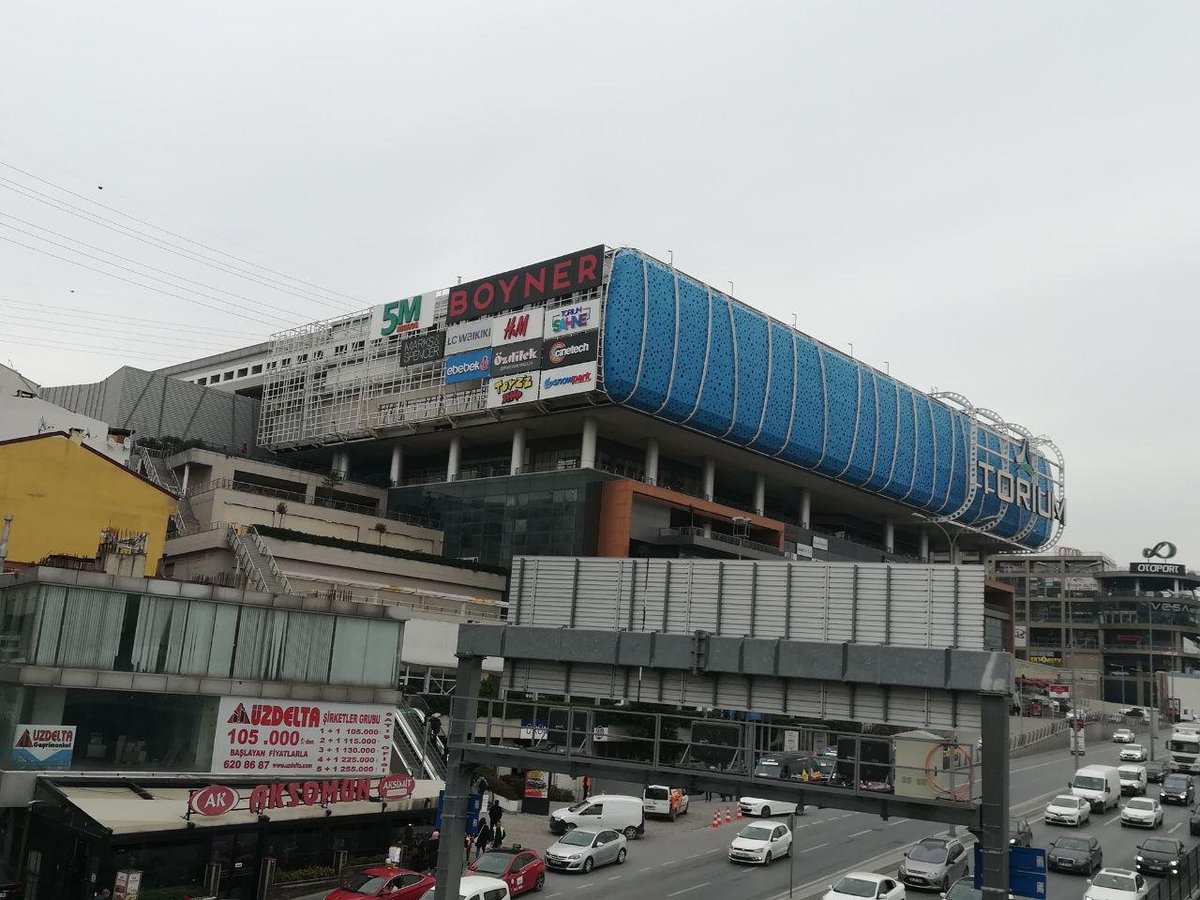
[[993, 810], [464, 711]]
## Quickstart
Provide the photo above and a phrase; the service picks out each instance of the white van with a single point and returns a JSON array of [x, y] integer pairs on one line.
[[1133, 779], [620, 813], [1098, 785], [668, 802]]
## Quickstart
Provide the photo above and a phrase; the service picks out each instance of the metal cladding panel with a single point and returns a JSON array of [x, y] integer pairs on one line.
[[678, 350], [905, 605]]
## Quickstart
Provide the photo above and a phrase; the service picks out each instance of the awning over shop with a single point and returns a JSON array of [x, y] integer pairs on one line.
[[136, 807]]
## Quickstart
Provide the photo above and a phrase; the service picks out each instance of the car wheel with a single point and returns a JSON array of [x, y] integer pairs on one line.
[[767, 859], [630, 833], [570, 826], [588, 865], [765, 811], [540, 883], [621, 856]]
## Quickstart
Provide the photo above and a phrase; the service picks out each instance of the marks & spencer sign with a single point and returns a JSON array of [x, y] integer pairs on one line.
[[529, 284]]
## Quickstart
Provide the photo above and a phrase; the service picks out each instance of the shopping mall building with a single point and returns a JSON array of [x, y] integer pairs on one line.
[[605, 403]]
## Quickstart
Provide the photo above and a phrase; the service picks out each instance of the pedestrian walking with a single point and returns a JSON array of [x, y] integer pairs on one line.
[[495, 812], [483, 837], [708, 796], [431, 852], [499, 833]]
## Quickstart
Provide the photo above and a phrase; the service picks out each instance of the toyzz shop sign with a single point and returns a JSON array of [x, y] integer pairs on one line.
[[219, 799], [530, 284]]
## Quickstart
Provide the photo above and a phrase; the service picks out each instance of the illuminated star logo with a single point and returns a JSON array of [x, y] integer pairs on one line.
[[1024, 460]]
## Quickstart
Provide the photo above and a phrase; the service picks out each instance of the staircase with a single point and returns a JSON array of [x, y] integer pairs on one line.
[[409, 734], [255, 559], [153, 465]]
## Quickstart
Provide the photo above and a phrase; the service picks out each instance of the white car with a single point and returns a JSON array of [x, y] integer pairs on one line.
[[865, 886], [1116, 884], [1123, 736], [478, 887], [1068, 810], [1133, 753], [761, 842], [1145, 812], [581, 851], [756, 806]]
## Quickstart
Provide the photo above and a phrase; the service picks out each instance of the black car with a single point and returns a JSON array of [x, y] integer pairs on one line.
[[1159, 856], [1019, 833], [1075, 853], [1177, 788], [1155, 771]]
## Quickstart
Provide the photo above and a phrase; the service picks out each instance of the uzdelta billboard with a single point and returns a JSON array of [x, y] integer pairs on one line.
[[43, 746]]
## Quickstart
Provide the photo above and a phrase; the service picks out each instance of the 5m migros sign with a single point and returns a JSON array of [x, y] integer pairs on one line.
[[402, 316]]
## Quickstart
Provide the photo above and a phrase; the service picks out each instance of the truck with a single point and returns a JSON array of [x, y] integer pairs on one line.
[[1183, 748], [1179, 695]]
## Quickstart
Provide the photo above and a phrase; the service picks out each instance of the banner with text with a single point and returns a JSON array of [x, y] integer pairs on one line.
[[43, 746], [277, 738]]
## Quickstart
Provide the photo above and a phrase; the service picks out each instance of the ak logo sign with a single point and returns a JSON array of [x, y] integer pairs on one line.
[[214, 800]]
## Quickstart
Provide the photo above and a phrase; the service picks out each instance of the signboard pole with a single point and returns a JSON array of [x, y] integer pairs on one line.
[[993, 809]]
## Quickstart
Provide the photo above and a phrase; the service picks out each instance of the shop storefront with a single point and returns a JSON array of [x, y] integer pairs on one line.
[[187, 836]]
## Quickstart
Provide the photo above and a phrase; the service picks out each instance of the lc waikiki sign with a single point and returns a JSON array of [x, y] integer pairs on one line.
[[1019, 486]]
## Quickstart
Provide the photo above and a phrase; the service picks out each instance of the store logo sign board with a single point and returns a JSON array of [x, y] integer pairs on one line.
[[396, 787], [1152, 568], [512, 390], [469, 366], [43, 746], [422, 348], [566, 319], [214, 800], [516, 358], [469, 336], [545, 280], [570, 349], [293, 738], [568, 380], [402, 316], [523, 326]]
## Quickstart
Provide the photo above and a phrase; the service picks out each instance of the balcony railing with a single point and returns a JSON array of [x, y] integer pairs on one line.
[[262, 490], [733, 540]]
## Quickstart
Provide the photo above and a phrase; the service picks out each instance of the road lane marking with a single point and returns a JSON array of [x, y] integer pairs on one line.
[[694, 887], [613, 877], [897, 822], [811, 849], [1175, 828], [861, 833], [713, 850]]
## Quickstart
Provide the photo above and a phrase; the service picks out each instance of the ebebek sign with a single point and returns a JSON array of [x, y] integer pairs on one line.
[[545, 280]]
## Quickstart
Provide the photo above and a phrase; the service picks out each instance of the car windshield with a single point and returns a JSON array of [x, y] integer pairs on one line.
[[930, 853], [582, 804], [962, 890], [1184, 746], [1160, 845], [365, 884], [1176, 782], [1140, 804], [1071, 802], [657, 793], [755, 833], [1088, 782], [855, 887], [1130, 774], [577, 838], [1134, 747], [1071, 843], [1110, 880], [493, 863], [768, 767]]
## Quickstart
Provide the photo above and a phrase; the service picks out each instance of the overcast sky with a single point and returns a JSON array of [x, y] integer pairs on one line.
[[996, 199]]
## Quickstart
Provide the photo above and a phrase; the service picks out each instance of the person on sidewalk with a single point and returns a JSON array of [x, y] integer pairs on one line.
[[495, 812], [499, 833], [431, 851], [483, 838]]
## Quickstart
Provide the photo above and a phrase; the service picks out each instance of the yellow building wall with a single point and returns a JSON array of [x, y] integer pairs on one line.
[[62, 496]]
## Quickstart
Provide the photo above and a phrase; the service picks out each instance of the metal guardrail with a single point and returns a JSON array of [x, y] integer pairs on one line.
[[464, 609], [263, 490], [695, 531]]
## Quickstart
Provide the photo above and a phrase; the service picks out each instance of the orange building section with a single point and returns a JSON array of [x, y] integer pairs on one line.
[[616, 515]]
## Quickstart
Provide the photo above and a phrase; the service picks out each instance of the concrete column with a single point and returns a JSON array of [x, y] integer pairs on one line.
[[464, 711], [889, 535], [518, 451], [587, 447], [652, 461], [709, 487], [341, 462], [187, 471], [805, 508], [396, 472], [760, 493], [923, 552], [994, 802], [453, 457]]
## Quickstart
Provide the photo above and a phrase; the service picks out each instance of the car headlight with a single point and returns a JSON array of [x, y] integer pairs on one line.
[[1012, 840], [575, 856], [1139, 859]]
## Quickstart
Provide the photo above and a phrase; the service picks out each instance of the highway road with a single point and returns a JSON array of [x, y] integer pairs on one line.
[[692, 865]]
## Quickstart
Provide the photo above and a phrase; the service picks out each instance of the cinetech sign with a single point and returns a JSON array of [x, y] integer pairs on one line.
[[546, 280]]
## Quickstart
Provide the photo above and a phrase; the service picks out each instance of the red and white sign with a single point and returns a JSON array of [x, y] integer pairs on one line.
[[214, 800], [396, 787], [1059, 691], [276, 737], [522, 326]]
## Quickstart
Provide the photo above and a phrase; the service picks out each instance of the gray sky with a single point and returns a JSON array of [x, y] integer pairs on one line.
[[997, 199]]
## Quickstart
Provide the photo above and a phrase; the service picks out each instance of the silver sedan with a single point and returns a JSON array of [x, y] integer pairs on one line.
[[582, 851]]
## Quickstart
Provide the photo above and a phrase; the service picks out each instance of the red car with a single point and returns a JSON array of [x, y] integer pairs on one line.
[[383, 883], [522, 870]]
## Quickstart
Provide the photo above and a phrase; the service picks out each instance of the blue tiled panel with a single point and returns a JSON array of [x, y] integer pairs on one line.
[[716, 395], [689, 360], [777, 412], [752, 343], [864, 443], [807, 438], [624, 313], [658, 355], [922, 492], [671, 352], [841, 398], [887, 435]]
